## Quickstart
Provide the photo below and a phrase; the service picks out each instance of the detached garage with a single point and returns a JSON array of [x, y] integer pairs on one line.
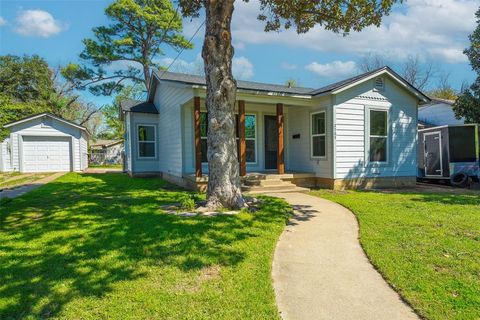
[[44, 143]]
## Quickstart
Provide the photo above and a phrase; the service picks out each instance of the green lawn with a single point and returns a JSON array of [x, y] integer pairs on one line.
[[427, 245], [105, 166], [99, 247], [15, 179]]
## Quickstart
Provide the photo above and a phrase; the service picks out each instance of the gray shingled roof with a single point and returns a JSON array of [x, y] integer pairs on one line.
[[138, 106], [245, 85], [266, 87], [148, 107]]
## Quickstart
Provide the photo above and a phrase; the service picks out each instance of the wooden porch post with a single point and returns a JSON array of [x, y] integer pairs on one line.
[[241, 138], [198, 145], [280, 151]]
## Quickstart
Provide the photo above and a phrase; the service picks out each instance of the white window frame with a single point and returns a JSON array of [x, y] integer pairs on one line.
[[312, 135], [368, 136], [149, 141], [254, 139]]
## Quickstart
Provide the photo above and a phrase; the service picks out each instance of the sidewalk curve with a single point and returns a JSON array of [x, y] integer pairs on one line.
[[321, 272]]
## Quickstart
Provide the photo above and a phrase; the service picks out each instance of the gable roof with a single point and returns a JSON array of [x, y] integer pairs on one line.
[[445, 101], [348, 83], [333, 88], [138, 106], [45, 114]]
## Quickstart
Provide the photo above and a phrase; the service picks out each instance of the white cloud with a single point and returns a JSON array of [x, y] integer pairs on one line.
[[183, 66], [239, 45], [38, 23], [288, 66], [242, 68], [428, 28], [2, 21], [334, 69]]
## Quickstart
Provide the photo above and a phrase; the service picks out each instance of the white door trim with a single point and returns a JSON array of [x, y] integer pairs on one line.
[[439, 133]]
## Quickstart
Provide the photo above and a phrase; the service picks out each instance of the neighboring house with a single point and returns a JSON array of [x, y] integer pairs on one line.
[[360, 132], [44, 143], [106, 152], [438, 113]]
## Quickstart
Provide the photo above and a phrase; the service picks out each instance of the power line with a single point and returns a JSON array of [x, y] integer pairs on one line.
[[181, 51]]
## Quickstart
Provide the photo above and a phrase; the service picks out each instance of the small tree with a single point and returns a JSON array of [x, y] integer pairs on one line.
[[140, 29], [468, 103], [444, 89], [111, 112], [336, 15]]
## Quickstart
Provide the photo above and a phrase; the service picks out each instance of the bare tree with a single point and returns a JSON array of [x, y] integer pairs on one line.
[[417, 73], [372, 61]]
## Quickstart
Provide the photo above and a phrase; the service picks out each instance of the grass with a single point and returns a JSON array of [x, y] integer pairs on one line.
[[16, 179], [8, 175], [105, 166], [100, 248], [427, 246]]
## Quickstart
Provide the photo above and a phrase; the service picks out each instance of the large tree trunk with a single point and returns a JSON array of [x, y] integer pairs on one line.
[[223, 178]]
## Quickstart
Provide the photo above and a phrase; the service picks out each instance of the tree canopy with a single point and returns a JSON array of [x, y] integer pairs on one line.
[[29, 86], [124, 51], [468, 103]]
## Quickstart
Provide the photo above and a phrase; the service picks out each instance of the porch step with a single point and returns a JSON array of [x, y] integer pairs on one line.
[[267, 183], [261, 190], [260, 186]]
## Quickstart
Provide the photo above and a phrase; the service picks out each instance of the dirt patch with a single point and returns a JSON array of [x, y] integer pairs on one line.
[[208, 273]]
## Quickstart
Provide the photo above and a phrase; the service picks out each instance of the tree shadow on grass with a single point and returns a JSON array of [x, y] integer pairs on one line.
[[79, 235]]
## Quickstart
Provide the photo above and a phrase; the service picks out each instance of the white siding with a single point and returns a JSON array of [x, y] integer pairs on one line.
[[169, 100], [299, 153], [5, 156], [128, 142], [351, 106], [83, 151]]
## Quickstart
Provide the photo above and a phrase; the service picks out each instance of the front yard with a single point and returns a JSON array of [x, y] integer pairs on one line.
[[100, 247], [427, 246], [15, 179]]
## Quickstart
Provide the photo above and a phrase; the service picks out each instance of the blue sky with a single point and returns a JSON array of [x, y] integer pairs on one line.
[[434, 30]]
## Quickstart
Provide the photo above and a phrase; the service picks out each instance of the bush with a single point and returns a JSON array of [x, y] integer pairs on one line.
[[188, 203]]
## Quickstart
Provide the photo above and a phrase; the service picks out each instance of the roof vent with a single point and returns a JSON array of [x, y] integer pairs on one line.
[[379, 84]]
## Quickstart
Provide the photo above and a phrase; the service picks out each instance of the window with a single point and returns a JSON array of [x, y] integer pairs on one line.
[[378, 136], [146, 141], [462, 144], [318, 135], [250, 136]]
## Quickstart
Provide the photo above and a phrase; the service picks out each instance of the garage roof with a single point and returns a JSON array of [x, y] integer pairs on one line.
[[45, 114]]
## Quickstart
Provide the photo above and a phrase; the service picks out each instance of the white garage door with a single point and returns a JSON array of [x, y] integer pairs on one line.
[[46, 154]]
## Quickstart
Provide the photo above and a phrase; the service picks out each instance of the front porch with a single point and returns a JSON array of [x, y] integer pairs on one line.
[[273, 137]]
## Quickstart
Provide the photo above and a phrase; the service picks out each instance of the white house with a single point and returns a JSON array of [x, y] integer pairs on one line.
[[360, 132], [438, 113], [44, 143], [106, 152]]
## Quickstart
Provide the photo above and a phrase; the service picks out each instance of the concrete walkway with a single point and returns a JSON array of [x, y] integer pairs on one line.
[[13, 193], [321, 272]]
